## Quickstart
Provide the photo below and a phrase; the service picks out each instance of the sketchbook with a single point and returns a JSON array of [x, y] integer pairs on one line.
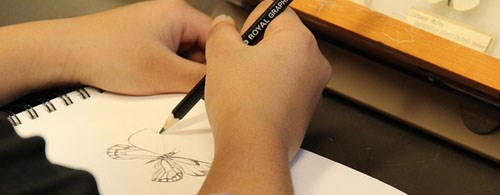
[[115, 138]]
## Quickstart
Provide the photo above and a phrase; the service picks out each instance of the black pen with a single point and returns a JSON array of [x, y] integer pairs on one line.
[[251, 37]]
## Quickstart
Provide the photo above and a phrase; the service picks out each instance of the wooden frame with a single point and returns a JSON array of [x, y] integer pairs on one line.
[[403, 44]]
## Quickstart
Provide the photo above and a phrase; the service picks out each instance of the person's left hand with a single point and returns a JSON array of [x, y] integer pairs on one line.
[[144, 48]]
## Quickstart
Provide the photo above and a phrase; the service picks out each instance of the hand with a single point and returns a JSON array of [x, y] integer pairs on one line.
[[273, 87], [135, 49], [260, 100], [144, 48]]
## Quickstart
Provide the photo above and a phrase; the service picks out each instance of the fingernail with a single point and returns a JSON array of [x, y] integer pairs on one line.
[[221, 18]]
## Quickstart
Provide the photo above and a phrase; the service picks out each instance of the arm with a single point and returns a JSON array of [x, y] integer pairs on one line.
[[30, 58], [144, 48], [259, 101]]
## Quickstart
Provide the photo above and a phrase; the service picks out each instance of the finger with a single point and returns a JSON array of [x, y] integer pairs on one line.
[[223, 36], [255, 14], [196, 54], [287, 21], [189, 72], [172, 73], [195, 29], [288, 15]]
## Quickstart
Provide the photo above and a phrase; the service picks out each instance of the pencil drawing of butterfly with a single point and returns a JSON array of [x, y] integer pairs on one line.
[[460, 5], [169, 168]]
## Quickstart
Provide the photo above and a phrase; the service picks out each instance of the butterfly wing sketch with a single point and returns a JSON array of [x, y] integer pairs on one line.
[[169, 168], [128, 152], [165, 172], [190, 166]]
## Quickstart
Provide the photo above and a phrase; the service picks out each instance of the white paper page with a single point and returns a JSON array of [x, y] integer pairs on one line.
[[89, 133], [314, 174], [79, 136]]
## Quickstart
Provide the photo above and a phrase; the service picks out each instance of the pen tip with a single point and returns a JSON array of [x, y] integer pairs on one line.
[[162, 130]]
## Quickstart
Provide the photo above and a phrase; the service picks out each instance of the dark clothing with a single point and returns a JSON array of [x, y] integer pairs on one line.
[[24, 168]]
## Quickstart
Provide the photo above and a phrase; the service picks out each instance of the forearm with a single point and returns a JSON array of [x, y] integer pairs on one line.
[[32, 56], [256, 163]]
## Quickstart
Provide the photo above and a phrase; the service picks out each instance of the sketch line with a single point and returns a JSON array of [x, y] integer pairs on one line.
[[169, 168]]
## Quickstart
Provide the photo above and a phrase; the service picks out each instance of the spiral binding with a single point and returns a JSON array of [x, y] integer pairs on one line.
[[27, 104]]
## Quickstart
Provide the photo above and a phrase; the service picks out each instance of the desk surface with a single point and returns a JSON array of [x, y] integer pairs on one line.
[[342, 131], [395, 153]]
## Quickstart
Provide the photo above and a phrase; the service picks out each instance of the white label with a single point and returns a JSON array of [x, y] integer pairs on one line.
[[451, 30]]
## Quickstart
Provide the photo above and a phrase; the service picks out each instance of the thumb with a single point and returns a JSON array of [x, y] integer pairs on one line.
[[223, 37]]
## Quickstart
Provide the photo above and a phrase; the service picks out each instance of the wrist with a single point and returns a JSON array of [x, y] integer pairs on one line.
[[255, 131], [56, 51], [253, 136], [249, 166]]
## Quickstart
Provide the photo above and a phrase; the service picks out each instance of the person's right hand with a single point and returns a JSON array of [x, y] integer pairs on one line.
[[260, 99]]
